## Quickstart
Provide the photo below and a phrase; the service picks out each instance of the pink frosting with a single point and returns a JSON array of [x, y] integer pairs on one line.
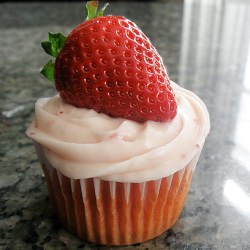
[[82, 143]]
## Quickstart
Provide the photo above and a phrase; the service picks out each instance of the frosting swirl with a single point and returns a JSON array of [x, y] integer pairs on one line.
[[82, 143]]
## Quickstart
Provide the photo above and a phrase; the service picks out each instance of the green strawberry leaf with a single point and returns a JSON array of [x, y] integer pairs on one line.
[[48, 70], [52, 47], [47, 47], [91, 9], [55, 44]]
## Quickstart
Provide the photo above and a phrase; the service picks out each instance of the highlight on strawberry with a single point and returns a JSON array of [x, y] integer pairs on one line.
[[108, 64]]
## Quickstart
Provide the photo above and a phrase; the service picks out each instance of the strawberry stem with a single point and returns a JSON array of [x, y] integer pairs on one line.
[[91, 9]]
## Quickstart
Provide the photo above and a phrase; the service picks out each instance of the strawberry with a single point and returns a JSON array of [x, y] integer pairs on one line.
[[109, 65]]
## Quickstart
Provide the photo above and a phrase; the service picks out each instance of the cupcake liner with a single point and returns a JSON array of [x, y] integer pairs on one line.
[[115, 213]]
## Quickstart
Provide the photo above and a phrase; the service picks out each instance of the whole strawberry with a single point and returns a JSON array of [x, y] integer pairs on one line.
[[109, 65]]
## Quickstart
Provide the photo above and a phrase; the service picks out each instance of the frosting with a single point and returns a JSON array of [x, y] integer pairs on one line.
[[82, 143]]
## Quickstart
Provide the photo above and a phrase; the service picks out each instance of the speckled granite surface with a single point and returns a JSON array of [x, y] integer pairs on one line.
[[206, 45]]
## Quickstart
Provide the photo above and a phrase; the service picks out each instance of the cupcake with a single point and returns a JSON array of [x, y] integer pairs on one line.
[[119, 143]]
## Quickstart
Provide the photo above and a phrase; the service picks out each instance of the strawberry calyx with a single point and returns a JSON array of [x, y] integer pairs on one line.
[[57, 40], [52, 47]]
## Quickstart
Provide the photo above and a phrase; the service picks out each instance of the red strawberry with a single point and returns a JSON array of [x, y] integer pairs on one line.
[[109, 65]]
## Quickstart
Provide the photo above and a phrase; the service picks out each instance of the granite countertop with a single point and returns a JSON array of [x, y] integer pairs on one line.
[[206, 46]]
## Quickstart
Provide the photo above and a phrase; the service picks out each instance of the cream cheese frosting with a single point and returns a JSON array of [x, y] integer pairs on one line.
[[82, 143]]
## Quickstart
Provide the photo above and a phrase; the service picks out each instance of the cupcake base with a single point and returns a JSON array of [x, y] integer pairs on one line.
[[115, 213]]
